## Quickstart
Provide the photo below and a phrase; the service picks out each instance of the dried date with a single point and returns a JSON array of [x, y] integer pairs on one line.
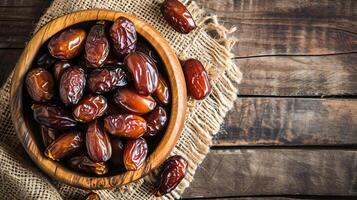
[[48, 135], [174, 170], [105, 80], [66, 144], [197, 80], [135, 154], [58, 69], [177, 16], [40, 84], [84, 164], [156, 121], [97, 46], [162, 93], [90, 108], [45, 60], [143, 72], [67, 44], [98, 143], [117, 153], [92, 196], [147, 51], [128, 99], [53, 116], [123, 36], [129, 126], [72, 85]]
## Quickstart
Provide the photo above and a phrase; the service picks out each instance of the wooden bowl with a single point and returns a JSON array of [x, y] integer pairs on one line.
[[27, 136]]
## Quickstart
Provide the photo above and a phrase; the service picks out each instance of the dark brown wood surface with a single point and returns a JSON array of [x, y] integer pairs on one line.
[[299, 64]]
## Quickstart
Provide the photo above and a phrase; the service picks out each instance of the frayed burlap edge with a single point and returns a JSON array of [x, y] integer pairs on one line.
[[203, 119]]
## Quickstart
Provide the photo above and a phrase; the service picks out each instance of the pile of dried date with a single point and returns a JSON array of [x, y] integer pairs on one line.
[[99, 97]]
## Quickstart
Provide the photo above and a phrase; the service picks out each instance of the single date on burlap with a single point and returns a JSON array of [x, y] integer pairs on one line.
[[21, 179]]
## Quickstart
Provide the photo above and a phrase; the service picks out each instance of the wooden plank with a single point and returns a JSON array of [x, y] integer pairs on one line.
[[23, 3], [290, 121], [14, 35], [295, 27], [299, 75], [275, 172], [8, 61]]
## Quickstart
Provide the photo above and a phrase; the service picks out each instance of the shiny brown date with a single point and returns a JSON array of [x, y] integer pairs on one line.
[[58, 69], [135, 153], [48, 135], [40, 84], [196, 77], [72, 84], [67, 44], [162, 93], [98, 143], [143, 71], [129, 126], [156, 121], [128, 99], [97, 46], [174, 170], [66, 144], [117, 153], [104, 80], [84, 164], [90, 108], [53, 116], [123, 36], [177, 16]]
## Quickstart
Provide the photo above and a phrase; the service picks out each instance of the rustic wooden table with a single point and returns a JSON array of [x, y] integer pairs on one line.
[[293, 130]]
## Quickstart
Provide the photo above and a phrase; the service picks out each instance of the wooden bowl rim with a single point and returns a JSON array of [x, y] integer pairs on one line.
[[178, 108]]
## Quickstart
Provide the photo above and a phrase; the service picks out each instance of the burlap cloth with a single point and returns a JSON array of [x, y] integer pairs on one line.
[[210, 43]]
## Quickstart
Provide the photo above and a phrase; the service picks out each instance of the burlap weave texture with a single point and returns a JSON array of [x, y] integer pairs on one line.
[[21, 179]]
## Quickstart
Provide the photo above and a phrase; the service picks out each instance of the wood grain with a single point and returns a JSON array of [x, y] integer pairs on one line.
[[28, 136], [8, 60], [295, 28], [276, 172], [333, 75], [290, 121]]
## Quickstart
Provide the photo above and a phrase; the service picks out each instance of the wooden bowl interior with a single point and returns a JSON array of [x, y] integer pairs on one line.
[[28, 131]]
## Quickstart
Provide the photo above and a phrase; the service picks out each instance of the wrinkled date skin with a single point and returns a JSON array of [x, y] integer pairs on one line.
[[97, 46], [66, 144], [135, 153], [48, 135], [117, 153], [90, 108], [58, 69], [45, 60], [196, 77], [123, 36], [156, 121], [113, 61], [177, 16], [67, 44], [173, 172], [98, 143], [162, 93], [40, 84], [72, 84], [143, 71], [84, 164], [105, 80], [53, 116], [131, 101], [129, 126]]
